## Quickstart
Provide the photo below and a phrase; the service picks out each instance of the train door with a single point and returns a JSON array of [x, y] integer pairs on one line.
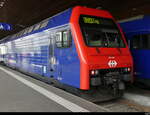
[[63, 57], [63, 52], [53, 58], [64, 61]]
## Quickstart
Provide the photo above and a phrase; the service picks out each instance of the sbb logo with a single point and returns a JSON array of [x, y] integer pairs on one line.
[[112, 63]]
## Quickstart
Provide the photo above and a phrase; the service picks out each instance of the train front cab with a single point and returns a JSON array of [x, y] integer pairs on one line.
[[104, 56]]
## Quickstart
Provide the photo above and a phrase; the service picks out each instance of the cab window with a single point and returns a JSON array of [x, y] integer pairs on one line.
[[100, 32]]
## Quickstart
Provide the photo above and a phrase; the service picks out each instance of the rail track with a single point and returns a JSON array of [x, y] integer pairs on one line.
[[121, 105]]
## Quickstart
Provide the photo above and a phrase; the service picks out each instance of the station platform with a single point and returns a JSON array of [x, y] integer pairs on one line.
[[21, 93], [138, 95]]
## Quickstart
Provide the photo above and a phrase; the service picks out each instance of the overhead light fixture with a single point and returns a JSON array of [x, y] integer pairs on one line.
[[2, 3]]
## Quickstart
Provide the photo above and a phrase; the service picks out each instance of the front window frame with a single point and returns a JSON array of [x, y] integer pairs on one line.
[[96, 22]]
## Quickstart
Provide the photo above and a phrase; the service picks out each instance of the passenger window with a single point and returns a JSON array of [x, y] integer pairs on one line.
[[22, 33], [140, 41], [145, 41], [30, 29], [63, 39], [26, 31], [135, 42], [37, 27], [44, 24]]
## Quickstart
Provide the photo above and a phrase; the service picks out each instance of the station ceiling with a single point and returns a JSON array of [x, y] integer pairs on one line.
[[24, 13]]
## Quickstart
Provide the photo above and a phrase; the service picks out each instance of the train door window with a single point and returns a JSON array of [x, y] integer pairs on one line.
[[66, 39], [59, 39], [63, 39]]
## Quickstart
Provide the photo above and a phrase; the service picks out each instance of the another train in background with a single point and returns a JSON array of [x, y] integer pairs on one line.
[[80, 49], [137, 31]]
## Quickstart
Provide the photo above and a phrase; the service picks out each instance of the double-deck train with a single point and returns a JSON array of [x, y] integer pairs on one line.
[[137, 30], [80, 48]]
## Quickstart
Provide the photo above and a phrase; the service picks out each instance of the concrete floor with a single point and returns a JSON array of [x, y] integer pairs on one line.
[[138, 95], [15, 96]]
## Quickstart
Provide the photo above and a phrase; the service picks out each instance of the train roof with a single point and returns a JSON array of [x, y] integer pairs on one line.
[[60, 19], [136, 24]]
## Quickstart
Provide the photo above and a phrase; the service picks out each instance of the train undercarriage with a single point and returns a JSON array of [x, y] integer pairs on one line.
[[107, 84]]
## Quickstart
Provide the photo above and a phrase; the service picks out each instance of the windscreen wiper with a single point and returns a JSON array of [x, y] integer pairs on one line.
[[97, 49], [119, 50]]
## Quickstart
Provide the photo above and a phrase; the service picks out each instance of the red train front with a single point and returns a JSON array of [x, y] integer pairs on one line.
[[105, 59]]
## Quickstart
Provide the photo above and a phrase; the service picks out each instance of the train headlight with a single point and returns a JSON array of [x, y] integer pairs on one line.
[[127, 69], [94, 72]]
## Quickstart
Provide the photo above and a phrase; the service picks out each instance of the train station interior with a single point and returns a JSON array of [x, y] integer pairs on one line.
[[33, 52]]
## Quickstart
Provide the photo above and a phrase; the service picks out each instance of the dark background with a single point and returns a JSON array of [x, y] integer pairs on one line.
[[24, 13]]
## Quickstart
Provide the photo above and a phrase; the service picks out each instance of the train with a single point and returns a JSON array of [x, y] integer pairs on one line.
[[82, 50], [137, 31]]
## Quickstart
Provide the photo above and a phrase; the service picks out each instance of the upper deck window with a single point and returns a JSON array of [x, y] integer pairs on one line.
[[37, 27], [100, 32], [44, 24], [30, 29], [26, 31], [21, 33]]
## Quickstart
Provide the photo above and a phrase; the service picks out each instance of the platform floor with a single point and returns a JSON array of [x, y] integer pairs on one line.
[[21, 93]]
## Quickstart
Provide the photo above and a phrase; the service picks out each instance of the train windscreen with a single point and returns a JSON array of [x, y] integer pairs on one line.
[[100, 32]]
